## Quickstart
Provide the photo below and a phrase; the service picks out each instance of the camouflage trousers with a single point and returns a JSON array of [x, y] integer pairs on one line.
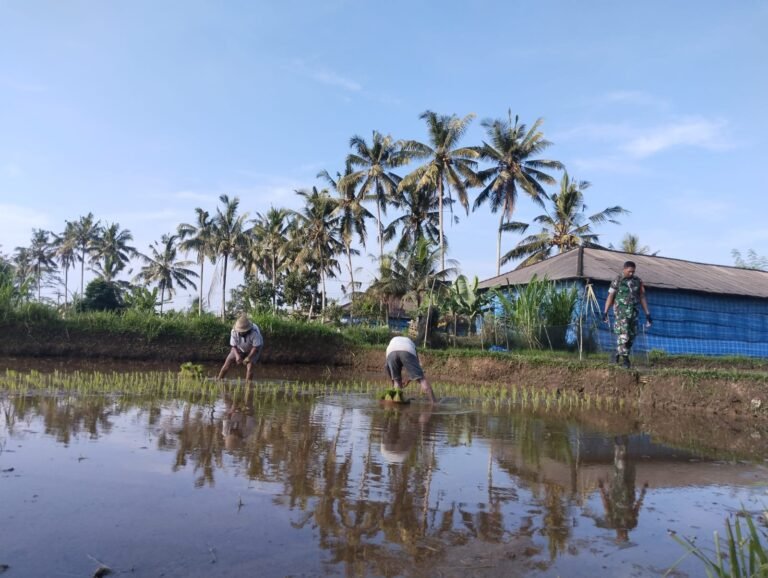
[[625, 329]]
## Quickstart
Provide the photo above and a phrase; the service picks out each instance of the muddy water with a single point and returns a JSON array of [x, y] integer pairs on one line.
[[269, 485]]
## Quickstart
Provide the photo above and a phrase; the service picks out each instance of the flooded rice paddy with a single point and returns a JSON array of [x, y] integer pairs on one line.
[[282, 480]]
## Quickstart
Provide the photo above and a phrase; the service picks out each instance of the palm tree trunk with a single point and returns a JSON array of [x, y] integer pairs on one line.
[[66, 285], [440, 217], [38, 282], [498, 246], [162, 297], [381, 233], [274, 284], [351, 274], [200, 298], [82, 272], [224, 287], [322, 297]]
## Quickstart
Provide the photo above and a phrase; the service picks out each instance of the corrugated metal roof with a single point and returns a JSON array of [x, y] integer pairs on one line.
[[661, 272]]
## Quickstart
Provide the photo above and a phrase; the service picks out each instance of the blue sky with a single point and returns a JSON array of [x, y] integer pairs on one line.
[[141, 111]]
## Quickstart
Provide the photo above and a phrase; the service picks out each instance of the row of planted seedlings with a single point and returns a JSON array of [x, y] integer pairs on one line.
[[166, 384], [483, 396], [198, 388], [498, 397], [297, 390], [95, 382]]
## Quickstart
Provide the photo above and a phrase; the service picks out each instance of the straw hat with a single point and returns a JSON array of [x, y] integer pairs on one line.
[[243, 324]]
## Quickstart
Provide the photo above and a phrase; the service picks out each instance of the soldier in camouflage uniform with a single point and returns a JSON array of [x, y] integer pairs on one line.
[[625, 292]]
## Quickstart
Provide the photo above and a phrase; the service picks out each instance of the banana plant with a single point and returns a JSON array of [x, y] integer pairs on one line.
[[469, 301]]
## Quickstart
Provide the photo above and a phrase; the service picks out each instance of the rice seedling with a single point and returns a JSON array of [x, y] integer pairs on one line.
[[745, 554], [191, 387]]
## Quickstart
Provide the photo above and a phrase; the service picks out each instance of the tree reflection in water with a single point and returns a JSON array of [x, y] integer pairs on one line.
[[362, 476]]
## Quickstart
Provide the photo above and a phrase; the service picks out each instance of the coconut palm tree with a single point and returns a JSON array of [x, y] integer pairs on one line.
[[352, 216], [163, 268], [448, 168], [318, 234], [23, 271], [228, 237], [631, 244], [111, 251], [41, 255], [564, 225], [374, 178], [86, 232], [418, 272], [420, 219], [271, 233], [751, 261], [250, 256], [66, 252], [510, 148], [198, 237]]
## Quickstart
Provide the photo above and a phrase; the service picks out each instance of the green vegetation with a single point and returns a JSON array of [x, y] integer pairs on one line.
[[751, 261], [694, 376], [745, 555], [206, 328], [190, 383], [395, 395], [536, 315], [564, 225], [192, 370], [287, 256], [661, 359]]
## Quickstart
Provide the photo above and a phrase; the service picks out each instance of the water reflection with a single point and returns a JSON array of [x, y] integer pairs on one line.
[[622, 505], [392, 491]]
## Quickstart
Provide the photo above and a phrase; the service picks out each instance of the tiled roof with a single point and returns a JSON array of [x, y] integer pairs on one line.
[[661, 272]]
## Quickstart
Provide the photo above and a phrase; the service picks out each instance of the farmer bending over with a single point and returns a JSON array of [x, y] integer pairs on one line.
[[246, 342], [401, 352]]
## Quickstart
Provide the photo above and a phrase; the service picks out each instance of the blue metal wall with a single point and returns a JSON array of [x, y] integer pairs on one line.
[[696, 323], [684, 322]]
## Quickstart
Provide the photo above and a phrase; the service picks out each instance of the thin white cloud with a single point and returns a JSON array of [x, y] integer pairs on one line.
[[280, 194], [608, 132], [144, 216], [268, 189], [699, 133], [633, 98], [606, 164], [16, 224], [327, 76], [636, 143], [695, 206], [195, 196], [387, 99]]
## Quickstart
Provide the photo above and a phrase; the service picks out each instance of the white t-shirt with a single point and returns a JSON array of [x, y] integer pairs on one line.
[[244, 343], [401, 343]]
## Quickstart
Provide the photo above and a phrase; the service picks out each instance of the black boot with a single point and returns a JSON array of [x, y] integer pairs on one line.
[[625, 361]]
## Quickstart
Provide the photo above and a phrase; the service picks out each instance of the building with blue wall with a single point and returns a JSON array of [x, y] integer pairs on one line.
[[697, 308]]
